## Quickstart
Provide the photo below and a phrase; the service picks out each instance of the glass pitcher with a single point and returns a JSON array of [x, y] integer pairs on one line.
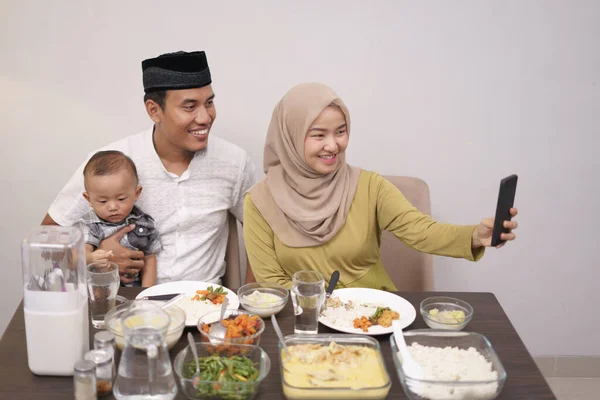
[[145, 371]]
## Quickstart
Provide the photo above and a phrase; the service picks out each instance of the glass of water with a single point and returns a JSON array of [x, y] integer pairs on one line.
[[103, 283], [308, 293]]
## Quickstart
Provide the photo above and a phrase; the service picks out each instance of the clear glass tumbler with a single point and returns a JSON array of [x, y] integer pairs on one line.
[[308, 293], [103, 284]]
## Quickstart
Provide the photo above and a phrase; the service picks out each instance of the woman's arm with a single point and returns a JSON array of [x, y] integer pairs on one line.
[[249, 275], [420, 231], [260, 248]]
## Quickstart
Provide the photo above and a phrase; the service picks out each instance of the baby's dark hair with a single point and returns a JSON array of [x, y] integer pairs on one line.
[[109, 162]]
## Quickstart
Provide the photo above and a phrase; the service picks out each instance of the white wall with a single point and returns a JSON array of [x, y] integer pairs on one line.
[[458, 93]]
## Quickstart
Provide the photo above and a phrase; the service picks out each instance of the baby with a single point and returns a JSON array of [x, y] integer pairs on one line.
[[111, 188]]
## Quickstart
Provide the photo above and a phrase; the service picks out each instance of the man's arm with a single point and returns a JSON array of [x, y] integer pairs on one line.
[[48, 220], [129, 261], [149, 271]]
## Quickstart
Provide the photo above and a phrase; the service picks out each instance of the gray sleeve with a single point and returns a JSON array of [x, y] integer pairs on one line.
[[155, 246], [89, 235]]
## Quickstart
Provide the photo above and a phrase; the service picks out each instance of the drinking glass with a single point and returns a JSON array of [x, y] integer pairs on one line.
[[103, 283], [308, 293]]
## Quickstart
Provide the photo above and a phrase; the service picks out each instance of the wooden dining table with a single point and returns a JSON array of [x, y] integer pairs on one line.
[[524, 381]]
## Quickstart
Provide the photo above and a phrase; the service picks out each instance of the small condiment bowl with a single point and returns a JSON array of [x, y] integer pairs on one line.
[[223, 344], [442, 303], [263, 310]]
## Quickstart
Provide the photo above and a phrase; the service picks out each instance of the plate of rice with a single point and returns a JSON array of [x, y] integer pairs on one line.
[[366, 311], [200, 297]]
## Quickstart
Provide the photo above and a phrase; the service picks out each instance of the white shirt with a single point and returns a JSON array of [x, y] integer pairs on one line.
[[190, 210]]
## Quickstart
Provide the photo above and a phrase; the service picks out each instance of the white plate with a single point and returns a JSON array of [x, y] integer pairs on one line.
[[189, 288], [376, 297]]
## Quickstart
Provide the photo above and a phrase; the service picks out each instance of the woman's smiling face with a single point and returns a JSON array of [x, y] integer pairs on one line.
[[326, 140]]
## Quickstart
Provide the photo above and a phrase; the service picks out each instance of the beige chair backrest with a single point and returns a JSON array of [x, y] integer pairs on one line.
[[410, 270], [233, 275]]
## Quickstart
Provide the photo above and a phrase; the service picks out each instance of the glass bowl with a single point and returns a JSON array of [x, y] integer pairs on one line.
[[445, 304], [419, 389], [214, 389], [353, 390], [263, 307], [112, 322], [213, 316]]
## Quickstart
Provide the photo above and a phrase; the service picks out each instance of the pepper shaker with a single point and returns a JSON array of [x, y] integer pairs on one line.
[[104, 370]]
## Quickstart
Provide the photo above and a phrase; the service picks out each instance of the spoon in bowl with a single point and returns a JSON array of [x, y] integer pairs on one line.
[[218, 330], [412, 369], [195, 353], [280, 335]]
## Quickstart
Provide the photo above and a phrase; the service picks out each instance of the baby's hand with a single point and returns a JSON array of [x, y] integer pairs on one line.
[[102, 255]]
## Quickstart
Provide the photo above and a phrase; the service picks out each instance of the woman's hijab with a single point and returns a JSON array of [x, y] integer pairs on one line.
[[304, 208]]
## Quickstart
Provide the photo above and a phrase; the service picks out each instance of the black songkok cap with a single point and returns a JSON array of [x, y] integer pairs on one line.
[[174, 71]]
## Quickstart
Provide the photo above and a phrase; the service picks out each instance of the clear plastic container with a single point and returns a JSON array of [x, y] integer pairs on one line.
[[420, 389], [347, 389], [55, 299]]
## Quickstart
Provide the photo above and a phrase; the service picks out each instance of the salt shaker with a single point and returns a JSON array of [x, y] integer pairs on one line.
[[105, 340], [84, 379], [104, 370]]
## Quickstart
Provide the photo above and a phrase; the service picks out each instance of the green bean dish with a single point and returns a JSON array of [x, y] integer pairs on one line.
[[230, 378]]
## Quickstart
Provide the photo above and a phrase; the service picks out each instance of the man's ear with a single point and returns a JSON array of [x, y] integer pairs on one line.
[[154, 111], [138, 191], [87, 197]]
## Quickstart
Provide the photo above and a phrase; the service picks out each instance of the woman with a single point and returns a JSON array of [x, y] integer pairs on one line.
[[313, 211]]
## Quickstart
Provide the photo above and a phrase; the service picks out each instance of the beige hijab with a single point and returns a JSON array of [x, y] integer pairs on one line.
[[304, 208]]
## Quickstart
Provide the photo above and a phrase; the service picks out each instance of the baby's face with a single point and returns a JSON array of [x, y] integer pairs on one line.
[[112, 196]]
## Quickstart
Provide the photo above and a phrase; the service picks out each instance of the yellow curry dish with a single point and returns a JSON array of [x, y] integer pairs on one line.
[[333, 371]]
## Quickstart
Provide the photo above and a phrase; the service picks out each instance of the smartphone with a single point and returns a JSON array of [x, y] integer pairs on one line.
[[506, 199]]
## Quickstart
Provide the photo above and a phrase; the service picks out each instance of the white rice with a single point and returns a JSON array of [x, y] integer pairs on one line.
[[453, 365], [194, 309], [344, 319]]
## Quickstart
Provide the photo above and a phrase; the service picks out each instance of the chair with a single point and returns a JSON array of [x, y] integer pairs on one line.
[[410, 270], [233, 275]]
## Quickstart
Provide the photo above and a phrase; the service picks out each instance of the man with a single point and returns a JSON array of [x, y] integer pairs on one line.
[[189, 185]]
